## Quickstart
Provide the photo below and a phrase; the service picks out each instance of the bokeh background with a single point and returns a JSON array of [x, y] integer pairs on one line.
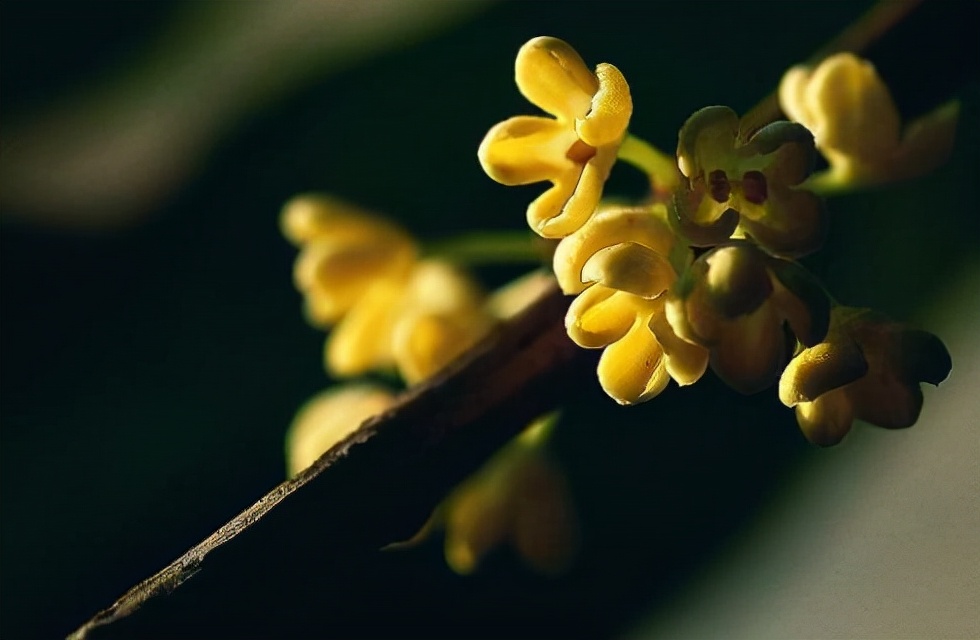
[[152, 350]]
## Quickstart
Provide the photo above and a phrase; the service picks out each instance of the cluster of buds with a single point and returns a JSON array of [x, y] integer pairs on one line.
[[392, 310], [703, 272]]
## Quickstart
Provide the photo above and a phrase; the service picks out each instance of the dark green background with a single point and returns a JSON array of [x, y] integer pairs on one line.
[[148, 375]]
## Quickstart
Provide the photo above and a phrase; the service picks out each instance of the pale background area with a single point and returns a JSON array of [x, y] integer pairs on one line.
[[876, 538]]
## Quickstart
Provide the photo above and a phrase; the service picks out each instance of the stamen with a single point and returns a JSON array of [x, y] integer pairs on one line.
[[719, 186], [754, 187]]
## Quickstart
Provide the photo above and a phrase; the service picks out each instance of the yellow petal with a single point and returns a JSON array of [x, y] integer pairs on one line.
[[610, 111], [631, 370], [599, 316], [751, 351], [423, 344], [853, 109], [685, 362], [706, 141], [526, 149], [316, 216], [552, 75], [791, 224], [820, 369], [477, 520], [328, 418], [515, 296], [826, 420], [545, 525], [609, 226], [630, 267], [362, 340]]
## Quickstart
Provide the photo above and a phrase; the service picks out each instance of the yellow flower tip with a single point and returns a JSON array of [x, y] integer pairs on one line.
[[821, 368], [611, 225], [630, 267], [553, 76], [461, 558], [424, 344], [632, 369], [826, 420], [328, 418], [600, 316], [612, 107]]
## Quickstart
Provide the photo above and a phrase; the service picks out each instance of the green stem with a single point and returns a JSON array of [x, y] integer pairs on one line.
[[488, 247], [661, 168]]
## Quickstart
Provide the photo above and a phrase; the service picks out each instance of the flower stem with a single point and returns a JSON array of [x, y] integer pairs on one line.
[[661, 168], [488, 247]]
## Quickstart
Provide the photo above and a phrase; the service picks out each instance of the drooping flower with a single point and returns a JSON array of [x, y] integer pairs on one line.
[[343, 251], [735, 300], [519, 497], [868, 368], [328, 418], [857, 127], [576, 149], [747, 183]]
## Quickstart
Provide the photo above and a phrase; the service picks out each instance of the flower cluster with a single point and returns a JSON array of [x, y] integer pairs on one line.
[[703, 272], [391, 309]]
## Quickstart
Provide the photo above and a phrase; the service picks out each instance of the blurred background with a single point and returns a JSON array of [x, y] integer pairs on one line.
[[152, 349]]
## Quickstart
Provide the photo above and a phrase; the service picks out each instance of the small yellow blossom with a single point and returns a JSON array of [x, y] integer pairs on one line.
[[856, 124], [343, 250], [734, 300], [576, 149], [754, 174], [641, 350], [868, 368], [328, 418], [417, 324]]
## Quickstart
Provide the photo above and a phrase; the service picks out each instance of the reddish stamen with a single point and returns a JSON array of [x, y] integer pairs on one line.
[[754, 187]]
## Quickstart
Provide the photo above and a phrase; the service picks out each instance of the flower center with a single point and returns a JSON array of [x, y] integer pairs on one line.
[[580, 153], [754, 187], [718, 186]]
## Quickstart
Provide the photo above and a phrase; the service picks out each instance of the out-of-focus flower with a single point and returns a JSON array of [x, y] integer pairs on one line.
[[856, 124], [343, 252], [868, 368], [512, 298], [417, 324], [328, 418], [576, 149], [755, 176], [519, 497], [734, 300]]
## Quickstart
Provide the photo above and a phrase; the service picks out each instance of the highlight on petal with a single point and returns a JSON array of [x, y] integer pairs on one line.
[[328, 418], [553, 76], [612, 106], [632, 268], [609, 226], [820, 369], [826, 420], [685, 362], [632, 369], [600, 316], [709, 133]]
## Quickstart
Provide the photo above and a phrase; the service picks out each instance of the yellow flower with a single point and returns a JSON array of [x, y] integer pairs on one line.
[[857, 126], [417, 324], [641, 350], [343, 251], [747, 182], [328, 418], [576, 150], [735, 300], [868, 368]]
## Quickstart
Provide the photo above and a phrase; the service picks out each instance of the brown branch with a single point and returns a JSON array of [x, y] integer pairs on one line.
[[414, 453]]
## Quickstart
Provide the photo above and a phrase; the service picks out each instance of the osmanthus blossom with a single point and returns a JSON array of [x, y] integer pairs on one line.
[[747, 183], [735, 300], [622, 264], [576, 149], [857, 127], [868, 368]]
